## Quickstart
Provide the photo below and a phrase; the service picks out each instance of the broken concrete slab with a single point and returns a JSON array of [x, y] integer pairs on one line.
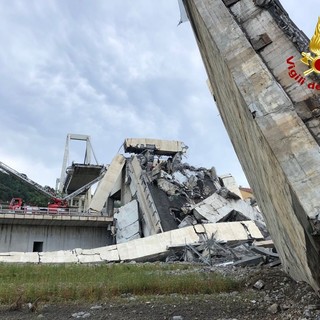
[[19, 257], [168, 187], [127, 222], [230, 231], [109, 253], [216, 208], [89, 258], [139, 187], [61, 256], [160, 147], [146, 248], [107, 183], [230, 183], [187, 221]]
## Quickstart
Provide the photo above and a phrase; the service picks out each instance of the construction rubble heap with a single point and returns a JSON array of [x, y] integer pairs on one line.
[[165, 209]]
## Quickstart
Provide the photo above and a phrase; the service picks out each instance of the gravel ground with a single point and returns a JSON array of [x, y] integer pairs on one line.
[[267, 293]]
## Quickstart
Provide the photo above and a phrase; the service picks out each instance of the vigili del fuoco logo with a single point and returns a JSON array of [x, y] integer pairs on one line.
[[312, 60]]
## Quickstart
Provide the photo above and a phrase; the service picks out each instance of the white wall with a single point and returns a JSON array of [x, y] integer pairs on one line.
[[21, 237]]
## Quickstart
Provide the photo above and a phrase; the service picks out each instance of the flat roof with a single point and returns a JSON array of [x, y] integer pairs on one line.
[[42, 219]]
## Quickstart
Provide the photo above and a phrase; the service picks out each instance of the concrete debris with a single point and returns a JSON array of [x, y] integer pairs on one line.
[[222, 253], [265, 251], [165, 209], [96, 307], [259, 285], [274, 308], [159, 147], [187, 221], [230, 184], [152, 248], [216, 208], [81, 315], [126, 221], [171, 194], [274, 263], [250, 261]]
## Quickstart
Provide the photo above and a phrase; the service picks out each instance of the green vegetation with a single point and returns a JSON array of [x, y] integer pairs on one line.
[[66, 283], [11, 187]]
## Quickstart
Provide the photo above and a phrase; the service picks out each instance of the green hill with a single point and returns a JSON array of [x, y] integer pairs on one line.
[[11, 187]]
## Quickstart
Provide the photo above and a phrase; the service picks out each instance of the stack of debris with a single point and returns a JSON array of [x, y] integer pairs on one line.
[[213, 252], [155, 192]]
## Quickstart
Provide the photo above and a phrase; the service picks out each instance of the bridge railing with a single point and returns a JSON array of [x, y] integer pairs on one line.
[[50, 211]]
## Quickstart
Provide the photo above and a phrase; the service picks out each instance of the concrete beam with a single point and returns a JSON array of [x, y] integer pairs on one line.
[[20, 257], [139, 189], [107, 183], [160, 147], [260, 106]]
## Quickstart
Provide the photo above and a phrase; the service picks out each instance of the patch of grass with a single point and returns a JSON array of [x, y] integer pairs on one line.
[[69, 282]]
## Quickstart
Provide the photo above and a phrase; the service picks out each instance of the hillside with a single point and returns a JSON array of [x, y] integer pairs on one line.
[[11, 187]]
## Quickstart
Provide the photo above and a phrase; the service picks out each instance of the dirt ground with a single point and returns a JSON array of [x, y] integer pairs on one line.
[[279, 298]]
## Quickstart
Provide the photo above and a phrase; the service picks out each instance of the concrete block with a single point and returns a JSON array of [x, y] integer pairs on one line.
[[230, 183], [127, 222], [145, 248], [67, 256], [215, 208], [141, 248], [230, 231], [89, 258], [154, 245], [109, 253], [19, 257], [161, 147]]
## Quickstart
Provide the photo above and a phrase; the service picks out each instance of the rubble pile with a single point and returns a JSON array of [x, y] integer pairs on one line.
[[161, 193], [160, 208], [221, 254]]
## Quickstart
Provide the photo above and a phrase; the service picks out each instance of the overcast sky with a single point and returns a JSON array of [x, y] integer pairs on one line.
[[109, 69]]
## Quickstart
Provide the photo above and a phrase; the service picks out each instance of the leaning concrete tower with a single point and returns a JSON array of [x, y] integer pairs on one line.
[[269, 102]]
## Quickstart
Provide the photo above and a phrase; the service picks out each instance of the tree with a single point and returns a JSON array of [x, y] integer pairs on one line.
[[11, 187]]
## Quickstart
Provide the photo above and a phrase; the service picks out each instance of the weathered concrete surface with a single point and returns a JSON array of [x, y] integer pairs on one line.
[[230, 183], [216, 209], [60, 256], [19, 257], [15, 237], [260, 106], [139, 189], [107, 183], [127, 222], [160, 147]]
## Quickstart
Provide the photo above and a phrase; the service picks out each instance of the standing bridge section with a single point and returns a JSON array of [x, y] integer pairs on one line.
[[249, 49], [77, 178]]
